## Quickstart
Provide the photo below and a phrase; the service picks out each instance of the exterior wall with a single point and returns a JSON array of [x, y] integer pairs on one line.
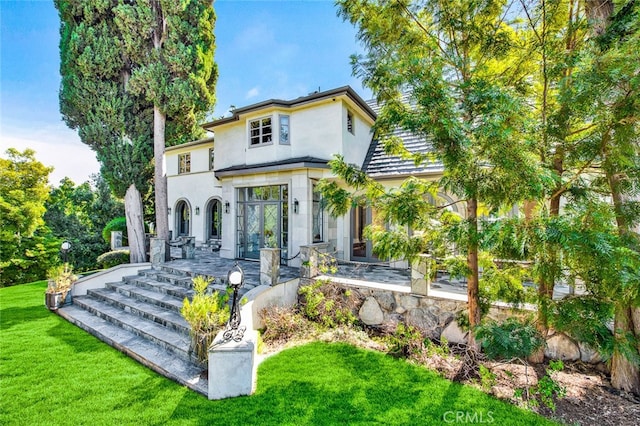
[[354, 145], [316, 130], [197, 188]]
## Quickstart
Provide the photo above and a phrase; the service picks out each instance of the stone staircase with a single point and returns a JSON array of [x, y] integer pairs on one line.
[[140, 316]]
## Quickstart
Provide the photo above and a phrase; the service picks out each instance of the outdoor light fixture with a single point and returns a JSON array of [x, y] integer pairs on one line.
[[197, 210], [296, 205], [169, 210], [64, 248], [227, 206], [233, 330]]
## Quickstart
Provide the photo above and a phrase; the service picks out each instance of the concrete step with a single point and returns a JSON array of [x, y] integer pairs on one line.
[[153, 297], [171, 271], [177, 279], [167, 339], [149, 283], [151, 311], [151, 355]]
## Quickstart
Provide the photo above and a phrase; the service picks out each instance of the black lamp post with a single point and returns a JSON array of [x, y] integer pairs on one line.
[[64, 248], [233, 331]]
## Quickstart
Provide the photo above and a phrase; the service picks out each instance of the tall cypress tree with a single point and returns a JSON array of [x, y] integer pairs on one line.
[[171, 46], [116, 125]]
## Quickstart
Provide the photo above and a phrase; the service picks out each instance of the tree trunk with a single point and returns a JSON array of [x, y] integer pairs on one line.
[[135, 225], [160, 177], [625, 375], [551, 259], [472, 264]]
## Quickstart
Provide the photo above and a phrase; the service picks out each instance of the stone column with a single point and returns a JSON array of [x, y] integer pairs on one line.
[[231, 368], [421, 275], [309, 261], [188, 247], [157, 251], [116, 240], [311, 257], [269, 266]]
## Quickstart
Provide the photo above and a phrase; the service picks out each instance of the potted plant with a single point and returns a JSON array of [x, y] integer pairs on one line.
[[58, 293]]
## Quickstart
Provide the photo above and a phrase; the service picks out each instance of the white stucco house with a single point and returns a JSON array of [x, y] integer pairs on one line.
[[251, 184]]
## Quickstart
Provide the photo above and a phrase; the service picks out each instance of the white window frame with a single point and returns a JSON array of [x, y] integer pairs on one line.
[[264, 138], [281, 125], [184, 163]]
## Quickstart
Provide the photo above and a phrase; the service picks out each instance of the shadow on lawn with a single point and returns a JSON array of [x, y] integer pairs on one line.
[[10, 317]]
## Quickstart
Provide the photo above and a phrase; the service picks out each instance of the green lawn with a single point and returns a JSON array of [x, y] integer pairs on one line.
[[51, 372]]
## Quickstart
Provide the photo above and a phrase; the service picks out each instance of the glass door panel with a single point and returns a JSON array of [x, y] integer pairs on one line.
[[252, 242], [270, 225]]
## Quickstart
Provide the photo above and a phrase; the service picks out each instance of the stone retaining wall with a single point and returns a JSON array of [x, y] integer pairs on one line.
[[436, 317]]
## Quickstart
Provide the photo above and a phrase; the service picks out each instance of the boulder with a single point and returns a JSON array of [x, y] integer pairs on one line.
[[454, 334], [424, 320], [370, 312], [562, 347], [588, 354], [408, 302], [386, 301], [446, 318]]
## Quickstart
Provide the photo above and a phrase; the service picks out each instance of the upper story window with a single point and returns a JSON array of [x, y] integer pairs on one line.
[[184, 163], [211, 156], [284, 130], [260, 131], [350, 127]]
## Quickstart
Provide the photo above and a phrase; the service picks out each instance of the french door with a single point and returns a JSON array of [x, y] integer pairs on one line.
[[262, 220]]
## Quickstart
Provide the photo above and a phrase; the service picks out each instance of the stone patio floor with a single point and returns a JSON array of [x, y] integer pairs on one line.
[[354, 273]]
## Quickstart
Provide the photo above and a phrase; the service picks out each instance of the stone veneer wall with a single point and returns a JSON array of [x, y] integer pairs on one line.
[[436, 317]]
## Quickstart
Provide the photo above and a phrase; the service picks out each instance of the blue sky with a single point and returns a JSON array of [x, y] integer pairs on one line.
[[265, 49]]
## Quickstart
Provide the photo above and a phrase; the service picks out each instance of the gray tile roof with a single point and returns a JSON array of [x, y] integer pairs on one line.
[[378, 164], [288, 164]]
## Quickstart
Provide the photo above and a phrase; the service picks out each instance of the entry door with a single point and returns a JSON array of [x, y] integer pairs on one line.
[[361, 248], [262, 228]]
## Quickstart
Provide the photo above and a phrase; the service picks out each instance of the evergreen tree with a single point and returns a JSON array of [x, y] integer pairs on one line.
[[170, 45], [607, 98], [463, 92], [117, 126]]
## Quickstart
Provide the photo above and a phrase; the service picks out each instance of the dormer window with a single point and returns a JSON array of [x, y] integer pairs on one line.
[[350, 123], [260, 131]]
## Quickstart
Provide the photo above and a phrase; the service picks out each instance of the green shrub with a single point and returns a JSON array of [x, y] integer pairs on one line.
[[113, 258], [328, 304], [116, 224], [487, 378], [508, 340], [206, 314], [546, 391], [406, 341], [585, 318]]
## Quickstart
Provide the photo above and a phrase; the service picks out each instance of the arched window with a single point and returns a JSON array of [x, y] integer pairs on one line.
[[183, 218], [214, 220]]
